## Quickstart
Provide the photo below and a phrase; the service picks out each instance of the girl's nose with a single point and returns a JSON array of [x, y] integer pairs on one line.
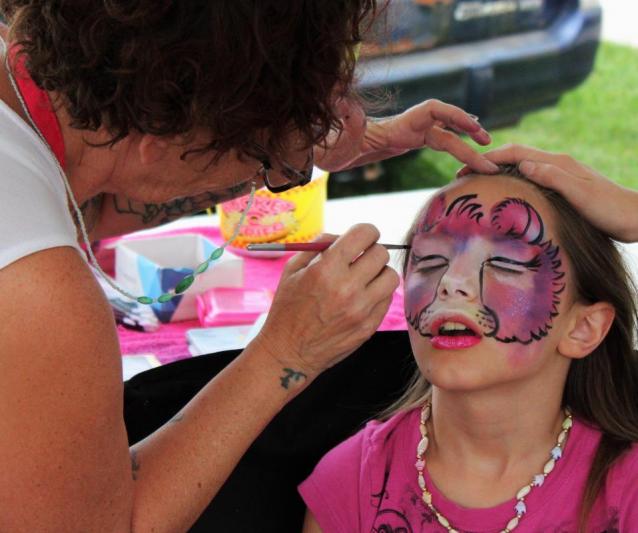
[[461, 285]]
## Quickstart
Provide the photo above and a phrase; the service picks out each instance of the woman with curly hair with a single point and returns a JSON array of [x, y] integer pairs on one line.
[[117, 115]]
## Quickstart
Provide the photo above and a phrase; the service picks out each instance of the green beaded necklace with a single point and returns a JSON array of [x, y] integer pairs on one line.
[[186, 281]]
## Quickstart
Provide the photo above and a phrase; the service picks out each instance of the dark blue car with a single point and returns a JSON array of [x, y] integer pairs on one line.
[[497, 59]]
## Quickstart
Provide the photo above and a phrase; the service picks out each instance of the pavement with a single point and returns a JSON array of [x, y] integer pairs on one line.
[[619, 21]]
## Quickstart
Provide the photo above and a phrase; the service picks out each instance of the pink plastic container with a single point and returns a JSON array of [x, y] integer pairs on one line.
[[228, 306]]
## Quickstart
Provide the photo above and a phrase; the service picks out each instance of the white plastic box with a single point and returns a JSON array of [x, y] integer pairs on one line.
[[153, 266]]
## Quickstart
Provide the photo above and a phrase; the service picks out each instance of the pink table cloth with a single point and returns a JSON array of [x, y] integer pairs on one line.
[[169, 342]]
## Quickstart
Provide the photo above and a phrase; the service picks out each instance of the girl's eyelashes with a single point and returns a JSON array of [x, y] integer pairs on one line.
[[512, 266], [502, 268], [429, 263], [430, 269]]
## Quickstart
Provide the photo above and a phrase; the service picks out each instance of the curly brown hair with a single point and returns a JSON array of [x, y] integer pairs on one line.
[[235, 68]]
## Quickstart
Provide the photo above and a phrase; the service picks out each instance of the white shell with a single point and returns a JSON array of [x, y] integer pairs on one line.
[[442, 520], [523, 492], [452, 530], [425, 413], [567, 423], [424, 429], [521, 508], [427, 497], [539, 479], [421, 482], [562, 436], [557, 453], [423, 445], [512, 524], [549, 466]]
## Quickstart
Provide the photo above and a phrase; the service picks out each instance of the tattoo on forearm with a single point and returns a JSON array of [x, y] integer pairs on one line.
[[165, 212], [291, 375], [135, 464]]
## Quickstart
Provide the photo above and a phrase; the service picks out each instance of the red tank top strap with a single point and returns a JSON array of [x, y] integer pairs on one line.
[[39, 105]]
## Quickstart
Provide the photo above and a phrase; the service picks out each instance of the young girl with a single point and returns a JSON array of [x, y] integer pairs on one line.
[[524, 412]]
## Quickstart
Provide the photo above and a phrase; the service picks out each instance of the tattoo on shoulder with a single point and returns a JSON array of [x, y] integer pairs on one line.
[[291, 375], [135, 464], [166, 212]]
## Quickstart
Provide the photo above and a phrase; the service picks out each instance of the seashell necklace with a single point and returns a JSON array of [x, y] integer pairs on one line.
[[520, 508]]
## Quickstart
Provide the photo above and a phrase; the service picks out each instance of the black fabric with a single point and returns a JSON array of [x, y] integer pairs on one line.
[[260, 495]]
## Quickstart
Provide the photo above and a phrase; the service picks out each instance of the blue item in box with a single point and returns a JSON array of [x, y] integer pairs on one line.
[[154, 265]]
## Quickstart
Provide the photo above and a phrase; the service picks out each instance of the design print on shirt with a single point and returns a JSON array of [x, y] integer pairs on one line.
[[391, 521], [409, 515], [387, 520]]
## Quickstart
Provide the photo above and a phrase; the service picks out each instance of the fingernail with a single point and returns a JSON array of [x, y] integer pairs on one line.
[[462, 172], [474, 117]]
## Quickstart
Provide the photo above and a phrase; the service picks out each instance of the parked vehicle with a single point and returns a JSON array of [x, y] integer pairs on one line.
[[497, 59]]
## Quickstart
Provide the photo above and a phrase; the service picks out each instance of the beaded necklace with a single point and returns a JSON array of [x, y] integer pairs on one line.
[[520, 508], [186, 281]]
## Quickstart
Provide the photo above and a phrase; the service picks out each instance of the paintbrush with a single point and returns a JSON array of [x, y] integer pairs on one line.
[[318, 246]]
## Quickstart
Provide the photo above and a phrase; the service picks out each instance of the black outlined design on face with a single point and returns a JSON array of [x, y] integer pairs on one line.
[[500, 254]]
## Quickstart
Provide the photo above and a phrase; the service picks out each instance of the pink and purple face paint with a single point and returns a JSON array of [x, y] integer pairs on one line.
[[476, 272]]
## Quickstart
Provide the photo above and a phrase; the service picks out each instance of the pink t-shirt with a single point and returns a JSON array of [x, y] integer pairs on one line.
[[369, 484]]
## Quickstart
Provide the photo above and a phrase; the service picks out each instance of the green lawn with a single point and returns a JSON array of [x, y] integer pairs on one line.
[[596, 123]]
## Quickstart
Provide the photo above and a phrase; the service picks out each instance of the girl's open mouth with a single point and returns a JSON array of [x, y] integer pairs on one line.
[[454, 334]]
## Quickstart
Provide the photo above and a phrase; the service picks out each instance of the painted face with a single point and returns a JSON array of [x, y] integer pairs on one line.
[[479, 271]]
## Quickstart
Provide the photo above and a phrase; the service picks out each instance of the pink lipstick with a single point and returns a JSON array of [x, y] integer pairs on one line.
[[444, 342], [454, 332]]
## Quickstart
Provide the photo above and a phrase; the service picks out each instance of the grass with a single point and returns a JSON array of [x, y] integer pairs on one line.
[[595, 123]]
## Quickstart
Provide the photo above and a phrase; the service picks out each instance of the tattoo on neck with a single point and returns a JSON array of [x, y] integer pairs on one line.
[[293, 375], [90, 213], [135, 464], [166, 212]]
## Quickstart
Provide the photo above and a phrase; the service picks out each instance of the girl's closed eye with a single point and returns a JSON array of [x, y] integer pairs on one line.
[[512, 266], [429, 263]]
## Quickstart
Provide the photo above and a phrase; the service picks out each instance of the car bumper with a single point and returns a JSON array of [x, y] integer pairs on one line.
[[498, 79]]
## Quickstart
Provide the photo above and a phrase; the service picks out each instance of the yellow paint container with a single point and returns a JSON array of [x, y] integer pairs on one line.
[[295, 215]]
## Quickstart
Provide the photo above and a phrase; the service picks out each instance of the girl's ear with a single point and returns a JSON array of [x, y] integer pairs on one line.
[[587, 328], [151, 149]]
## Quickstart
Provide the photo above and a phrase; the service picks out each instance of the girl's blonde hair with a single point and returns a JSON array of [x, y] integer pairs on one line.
[[601, 389]]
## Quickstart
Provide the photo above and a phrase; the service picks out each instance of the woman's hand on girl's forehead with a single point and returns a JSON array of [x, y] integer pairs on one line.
[[578, 183]]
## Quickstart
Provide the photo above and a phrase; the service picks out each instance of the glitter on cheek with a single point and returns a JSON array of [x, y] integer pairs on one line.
[[512, 303], [519, 303], [522, 304]]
